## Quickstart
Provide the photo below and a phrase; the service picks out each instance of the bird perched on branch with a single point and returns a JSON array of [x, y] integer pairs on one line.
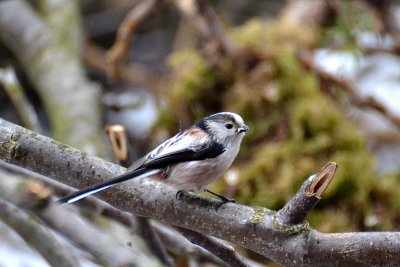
[[190, 160]]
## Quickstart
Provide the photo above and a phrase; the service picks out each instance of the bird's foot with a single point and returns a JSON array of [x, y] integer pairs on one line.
[[179, 194], [223, 198]]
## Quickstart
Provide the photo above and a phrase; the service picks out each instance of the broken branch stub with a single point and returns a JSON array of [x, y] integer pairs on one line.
[[297, 209]]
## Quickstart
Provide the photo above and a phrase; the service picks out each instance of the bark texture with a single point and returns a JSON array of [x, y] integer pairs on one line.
[[254, 228]]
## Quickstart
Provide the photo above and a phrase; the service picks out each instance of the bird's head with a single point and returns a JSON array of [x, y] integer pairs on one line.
[[225, 127]]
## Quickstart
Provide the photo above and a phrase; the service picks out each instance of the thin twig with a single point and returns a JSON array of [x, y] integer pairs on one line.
[[22, 105], [124, 34], [355, 97], [204, 19], [134, 73]]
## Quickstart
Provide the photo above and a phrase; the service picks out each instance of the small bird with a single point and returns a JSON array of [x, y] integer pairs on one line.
[[190, 160]]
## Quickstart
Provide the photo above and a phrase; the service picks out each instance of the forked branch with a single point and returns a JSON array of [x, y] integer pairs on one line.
[[253, 228]]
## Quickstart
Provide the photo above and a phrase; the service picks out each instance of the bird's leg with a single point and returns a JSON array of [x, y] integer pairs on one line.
[[179, 194], [222, 197]]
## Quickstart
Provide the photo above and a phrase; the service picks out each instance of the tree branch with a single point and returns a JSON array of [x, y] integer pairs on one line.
[[134, 73], [172, 240], [15, 92], [226, 253], [124, 34], [58, 14], [35, 197], [37, 235], [203, 18], [252, 228]]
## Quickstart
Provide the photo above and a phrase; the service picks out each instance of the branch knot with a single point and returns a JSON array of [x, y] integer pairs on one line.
[[290, 229]]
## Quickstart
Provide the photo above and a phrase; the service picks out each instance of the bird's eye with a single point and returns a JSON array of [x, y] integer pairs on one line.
[[229, 125]]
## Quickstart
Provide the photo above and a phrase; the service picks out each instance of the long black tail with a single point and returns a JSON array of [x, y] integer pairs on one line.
[[104, 185]]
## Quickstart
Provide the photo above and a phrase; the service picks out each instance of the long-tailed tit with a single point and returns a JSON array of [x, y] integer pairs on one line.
[[190, 160]]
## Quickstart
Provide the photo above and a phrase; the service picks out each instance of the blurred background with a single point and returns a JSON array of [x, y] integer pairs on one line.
[[316, 81]]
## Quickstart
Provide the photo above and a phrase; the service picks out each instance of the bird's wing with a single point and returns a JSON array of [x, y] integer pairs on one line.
[[192, 144], [168, 145]]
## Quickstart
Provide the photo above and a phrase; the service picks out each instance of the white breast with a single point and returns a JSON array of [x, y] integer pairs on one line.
[[197, 174]]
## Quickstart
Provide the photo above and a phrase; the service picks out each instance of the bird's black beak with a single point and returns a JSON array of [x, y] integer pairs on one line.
[[243, 129]]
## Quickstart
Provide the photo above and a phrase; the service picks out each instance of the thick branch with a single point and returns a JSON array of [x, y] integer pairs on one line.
[[64, 18], [354, 249], [253, 228]]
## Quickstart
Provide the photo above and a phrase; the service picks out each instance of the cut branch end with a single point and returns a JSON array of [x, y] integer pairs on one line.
[[321, 181], [118, 140], [297, 209]]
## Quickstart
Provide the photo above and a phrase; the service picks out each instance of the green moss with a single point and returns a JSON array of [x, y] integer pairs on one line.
[[7, 149], [315, 132], [193, 82], [271, 38], [295, 128], [193, 76]]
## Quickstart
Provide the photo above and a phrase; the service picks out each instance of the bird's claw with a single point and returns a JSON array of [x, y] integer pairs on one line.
[[225, 199], [179, 194]]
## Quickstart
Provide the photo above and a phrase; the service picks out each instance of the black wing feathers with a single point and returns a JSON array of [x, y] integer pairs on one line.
[[212, 151]]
